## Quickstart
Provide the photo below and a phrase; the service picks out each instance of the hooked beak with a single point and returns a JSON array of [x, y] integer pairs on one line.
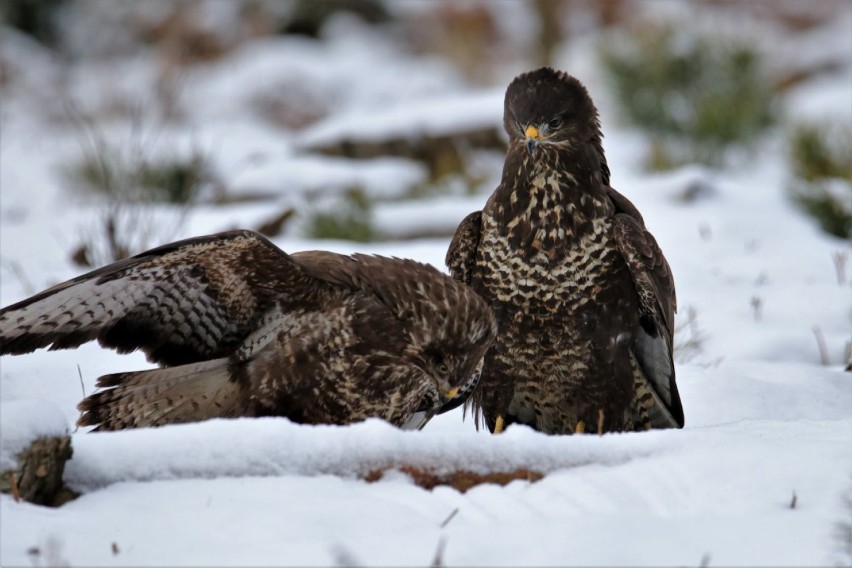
[[451, 399], [533, 138]]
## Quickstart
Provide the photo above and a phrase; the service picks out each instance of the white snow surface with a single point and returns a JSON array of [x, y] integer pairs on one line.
[[768, 425], [23, 421], [435, 115]]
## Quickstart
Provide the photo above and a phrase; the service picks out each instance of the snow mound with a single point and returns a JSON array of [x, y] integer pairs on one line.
[[434, 116], [23, 421], [276, 446], [722, 403]]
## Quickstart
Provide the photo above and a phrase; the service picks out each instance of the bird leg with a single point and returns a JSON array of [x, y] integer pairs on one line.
[[581, 427], [498, 425], [600, 421]]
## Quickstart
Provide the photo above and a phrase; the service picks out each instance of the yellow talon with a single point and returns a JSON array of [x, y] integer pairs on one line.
[[498, 425], [581, 427]]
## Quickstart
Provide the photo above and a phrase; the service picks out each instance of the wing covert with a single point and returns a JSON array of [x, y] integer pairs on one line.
[[654, 284], [461, 255]]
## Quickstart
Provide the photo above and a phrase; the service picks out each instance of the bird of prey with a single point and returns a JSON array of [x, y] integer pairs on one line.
[[583, 295], [240, 328]]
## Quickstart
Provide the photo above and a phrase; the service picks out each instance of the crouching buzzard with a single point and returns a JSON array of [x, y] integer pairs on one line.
[[241, 328], [583, 296]]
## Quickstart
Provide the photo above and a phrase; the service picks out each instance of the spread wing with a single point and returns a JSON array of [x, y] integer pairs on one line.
[[655, 286], [461, 256], [181, 303]]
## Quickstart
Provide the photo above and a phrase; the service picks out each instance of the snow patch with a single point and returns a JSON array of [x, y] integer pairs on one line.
[[24, 421]]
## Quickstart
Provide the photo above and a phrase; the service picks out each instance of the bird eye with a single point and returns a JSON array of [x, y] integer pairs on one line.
[[555, 124]]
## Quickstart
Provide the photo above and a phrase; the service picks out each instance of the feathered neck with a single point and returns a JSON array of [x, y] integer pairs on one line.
[[575, 170]]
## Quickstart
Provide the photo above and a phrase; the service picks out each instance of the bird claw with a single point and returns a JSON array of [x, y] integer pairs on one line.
[[581, 427], [499, 424]]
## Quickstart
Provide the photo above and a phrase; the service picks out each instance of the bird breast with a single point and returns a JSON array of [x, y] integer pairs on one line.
[[546, 246], [564, 272]]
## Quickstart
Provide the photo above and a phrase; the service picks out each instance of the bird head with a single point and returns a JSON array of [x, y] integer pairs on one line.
[[456, 375], [546, 107], [451, 349], [448, 326]]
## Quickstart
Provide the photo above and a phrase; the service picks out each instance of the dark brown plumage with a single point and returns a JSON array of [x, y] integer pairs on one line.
[[584, 297], [241, 328]]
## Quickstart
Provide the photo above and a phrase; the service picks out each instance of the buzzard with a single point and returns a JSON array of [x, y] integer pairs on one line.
[[240, 328], [583, 295]]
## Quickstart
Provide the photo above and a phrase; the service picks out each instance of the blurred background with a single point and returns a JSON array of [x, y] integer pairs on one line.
[[348, 119]]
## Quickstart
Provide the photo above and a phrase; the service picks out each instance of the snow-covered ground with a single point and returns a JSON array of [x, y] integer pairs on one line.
[[756, 281]]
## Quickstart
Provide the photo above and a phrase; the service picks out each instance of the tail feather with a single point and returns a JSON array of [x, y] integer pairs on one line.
[[173, 395]]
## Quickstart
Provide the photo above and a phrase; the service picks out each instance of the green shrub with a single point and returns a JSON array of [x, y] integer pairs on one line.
[[170, 180], [821, 152], [175, 180], [696, 97], [821, 164], [831, 209], [351, 220]]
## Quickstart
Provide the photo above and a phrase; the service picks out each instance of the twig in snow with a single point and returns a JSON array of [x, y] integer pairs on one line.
[[689, 338], [342, 556], [80, 374], [450, 517], [794, 501], [757, 307], [840, 258], [843, 533], [439, 553], [82, 388], [705, 560], [13, 485], [823, 350]]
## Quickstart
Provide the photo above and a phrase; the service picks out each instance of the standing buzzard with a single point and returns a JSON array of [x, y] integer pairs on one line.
[[241, 328], [583, 296]]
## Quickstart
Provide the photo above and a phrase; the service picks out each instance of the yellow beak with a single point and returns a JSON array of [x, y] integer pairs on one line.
[[452, 393], [532, 138]]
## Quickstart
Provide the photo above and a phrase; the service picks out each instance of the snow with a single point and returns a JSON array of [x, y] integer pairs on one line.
[[434, 115], [267, 492], [312, 175], [766, 420], [23, 421]]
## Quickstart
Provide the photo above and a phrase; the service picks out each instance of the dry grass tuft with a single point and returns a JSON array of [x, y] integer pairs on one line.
[[460, 480]]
